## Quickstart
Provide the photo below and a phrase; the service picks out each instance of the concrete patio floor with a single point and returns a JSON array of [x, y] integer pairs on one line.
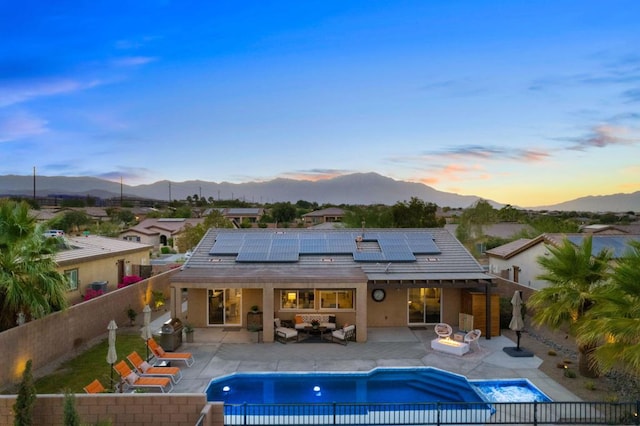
[[221, 351]]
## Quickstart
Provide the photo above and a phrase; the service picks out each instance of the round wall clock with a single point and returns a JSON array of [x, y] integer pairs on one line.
[[378, 295]]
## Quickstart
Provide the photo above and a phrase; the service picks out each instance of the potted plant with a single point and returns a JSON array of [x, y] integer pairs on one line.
[[188, 332], [315, 323], [132, 314], [255, 308]]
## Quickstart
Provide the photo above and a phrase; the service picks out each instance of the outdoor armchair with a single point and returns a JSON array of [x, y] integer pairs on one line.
[[443, 330], [283, 334], [344, 334]]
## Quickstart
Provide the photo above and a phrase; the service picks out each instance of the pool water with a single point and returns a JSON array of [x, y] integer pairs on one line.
[[385, 385]]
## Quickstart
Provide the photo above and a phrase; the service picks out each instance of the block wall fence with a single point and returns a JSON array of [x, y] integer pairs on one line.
[[142, 409], [60, 335]]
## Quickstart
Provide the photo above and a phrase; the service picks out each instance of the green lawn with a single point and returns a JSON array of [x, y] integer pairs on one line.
[[75, 374]]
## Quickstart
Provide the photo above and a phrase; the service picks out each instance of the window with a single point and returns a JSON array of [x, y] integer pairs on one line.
[[72, 279], [131, 238], [336, 299], [296, 299]]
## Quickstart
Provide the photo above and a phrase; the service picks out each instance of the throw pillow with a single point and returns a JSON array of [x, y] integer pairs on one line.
[[298, 319], [332, 319], [276, 322], [131, 378], [145, 366]]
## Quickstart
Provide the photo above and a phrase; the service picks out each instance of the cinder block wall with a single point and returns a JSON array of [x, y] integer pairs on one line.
[[121, 409], [57, 335]]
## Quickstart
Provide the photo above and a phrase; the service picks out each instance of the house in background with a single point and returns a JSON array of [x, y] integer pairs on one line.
[[100, 263], [517, 260], [330, 215], [158, 232], [370, 278]]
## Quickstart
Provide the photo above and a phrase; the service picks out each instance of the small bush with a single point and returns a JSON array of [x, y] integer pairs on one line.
[[552, 353], [165, 250], [128, 280], [570, 374], [92, 294], [590, 385], [567, 361]]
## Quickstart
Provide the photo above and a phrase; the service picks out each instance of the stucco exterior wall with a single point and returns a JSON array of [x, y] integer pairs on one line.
[[526, 261], [102, 269]]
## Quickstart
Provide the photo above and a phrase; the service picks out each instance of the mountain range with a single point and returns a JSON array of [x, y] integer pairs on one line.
[[357, 188]]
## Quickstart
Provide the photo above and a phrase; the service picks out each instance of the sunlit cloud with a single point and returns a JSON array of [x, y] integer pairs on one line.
[[603, 136], [455, 172], [20, 125], [316, 174], [27, 90]]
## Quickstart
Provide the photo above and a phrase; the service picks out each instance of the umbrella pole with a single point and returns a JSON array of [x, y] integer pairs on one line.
[[518, 334], [111, 379]]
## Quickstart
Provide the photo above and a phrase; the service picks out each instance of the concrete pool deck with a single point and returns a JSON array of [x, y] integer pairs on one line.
[[221, 351]]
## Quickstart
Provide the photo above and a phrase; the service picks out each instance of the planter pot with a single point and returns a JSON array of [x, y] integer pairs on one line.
[[189, 337]]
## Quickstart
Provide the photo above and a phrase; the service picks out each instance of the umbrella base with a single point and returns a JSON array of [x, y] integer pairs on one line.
[[517, 352]]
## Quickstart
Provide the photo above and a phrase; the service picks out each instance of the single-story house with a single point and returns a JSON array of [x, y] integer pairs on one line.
[[517, 261], [99, 262], [330, 215], [158, 231], [370, 278]]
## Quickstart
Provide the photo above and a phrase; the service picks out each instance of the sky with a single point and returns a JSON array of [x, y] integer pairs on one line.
[[522, 102]]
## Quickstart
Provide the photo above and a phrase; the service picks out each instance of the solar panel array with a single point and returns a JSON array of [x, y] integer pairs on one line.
[[288, 246], [616, 244]]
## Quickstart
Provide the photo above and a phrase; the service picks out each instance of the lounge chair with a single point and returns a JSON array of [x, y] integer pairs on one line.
[[443, 330], [283, 334], [131, 379], [94, 387], [344, 334], [161, 355], [144, 369], [473, 336]]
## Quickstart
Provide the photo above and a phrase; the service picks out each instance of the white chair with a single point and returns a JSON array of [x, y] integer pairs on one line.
[[443, 330], [283, 334], [344, 334], [473, 336]]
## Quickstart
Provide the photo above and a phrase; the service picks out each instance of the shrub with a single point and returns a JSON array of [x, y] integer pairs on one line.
[[552, 352], [590, 385], [165, 250], [128, 280], [570, 374], [92, 294], [23, 408], [71, 417]]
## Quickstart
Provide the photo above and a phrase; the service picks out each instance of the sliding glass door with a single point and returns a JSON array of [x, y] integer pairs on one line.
[[424, 305], [224, 306]]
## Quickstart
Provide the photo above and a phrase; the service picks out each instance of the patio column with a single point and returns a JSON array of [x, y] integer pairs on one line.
[[267, 314], [361, 312]]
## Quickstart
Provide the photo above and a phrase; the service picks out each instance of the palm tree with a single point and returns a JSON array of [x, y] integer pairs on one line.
[[573, 274], [29, 281], [616, 316]]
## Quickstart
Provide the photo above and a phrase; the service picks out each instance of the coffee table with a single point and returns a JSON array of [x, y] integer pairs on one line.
[[311, 332]]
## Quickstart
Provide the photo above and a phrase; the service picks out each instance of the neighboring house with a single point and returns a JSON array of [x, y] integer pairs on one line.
[[157, 232], [330, 215], [237, 215], [99, 262], [370, 278], [517, 260]]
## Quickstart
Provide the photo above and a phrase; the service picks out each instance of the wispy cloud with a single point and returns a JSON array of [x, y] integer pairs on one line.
[[129, 175], [133, 61], [602, 136], [631, 95], [490, 153], [20, 125], [24, 91]]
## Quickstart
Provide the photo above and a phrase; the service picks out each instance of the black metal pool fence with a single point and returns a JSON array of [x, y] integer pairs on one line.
[[435, 413]]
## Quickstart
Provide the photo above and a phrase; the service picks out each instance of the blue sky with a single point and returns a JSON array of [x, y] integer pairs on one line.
[[529, 103]]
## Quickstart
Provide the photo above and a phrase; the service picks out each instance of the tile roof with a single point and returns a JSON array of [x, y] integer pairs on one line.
[[451, 262]]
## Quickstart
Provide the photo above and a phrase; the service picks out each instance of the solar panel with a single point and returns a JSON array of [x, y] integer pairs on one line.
[[366, 256]]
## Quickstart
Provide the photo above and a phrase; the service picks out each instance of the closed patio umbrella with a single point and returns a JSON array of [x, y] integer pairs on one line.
[[112, 356], [145, 332], [517, 323]]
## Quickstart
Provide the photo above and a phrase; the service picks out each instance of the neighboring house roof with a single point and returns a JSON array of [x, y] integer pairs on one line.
[[93, 246], [154, 226], [242, 211], [310, 255], [332, 211], [618, 244]]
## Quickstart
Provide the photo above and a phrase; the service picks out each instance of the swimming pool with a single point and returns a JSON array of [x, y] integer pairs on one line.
[[380, 385]]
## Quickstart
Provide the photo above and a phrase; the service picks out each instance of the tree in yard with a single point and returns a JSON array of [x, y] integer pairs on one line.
[[415, 214], [71, 417], [574, 275], [23, 408], [616, 316], [283, 212], [29, 281], [374, 216], [473, 219]]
